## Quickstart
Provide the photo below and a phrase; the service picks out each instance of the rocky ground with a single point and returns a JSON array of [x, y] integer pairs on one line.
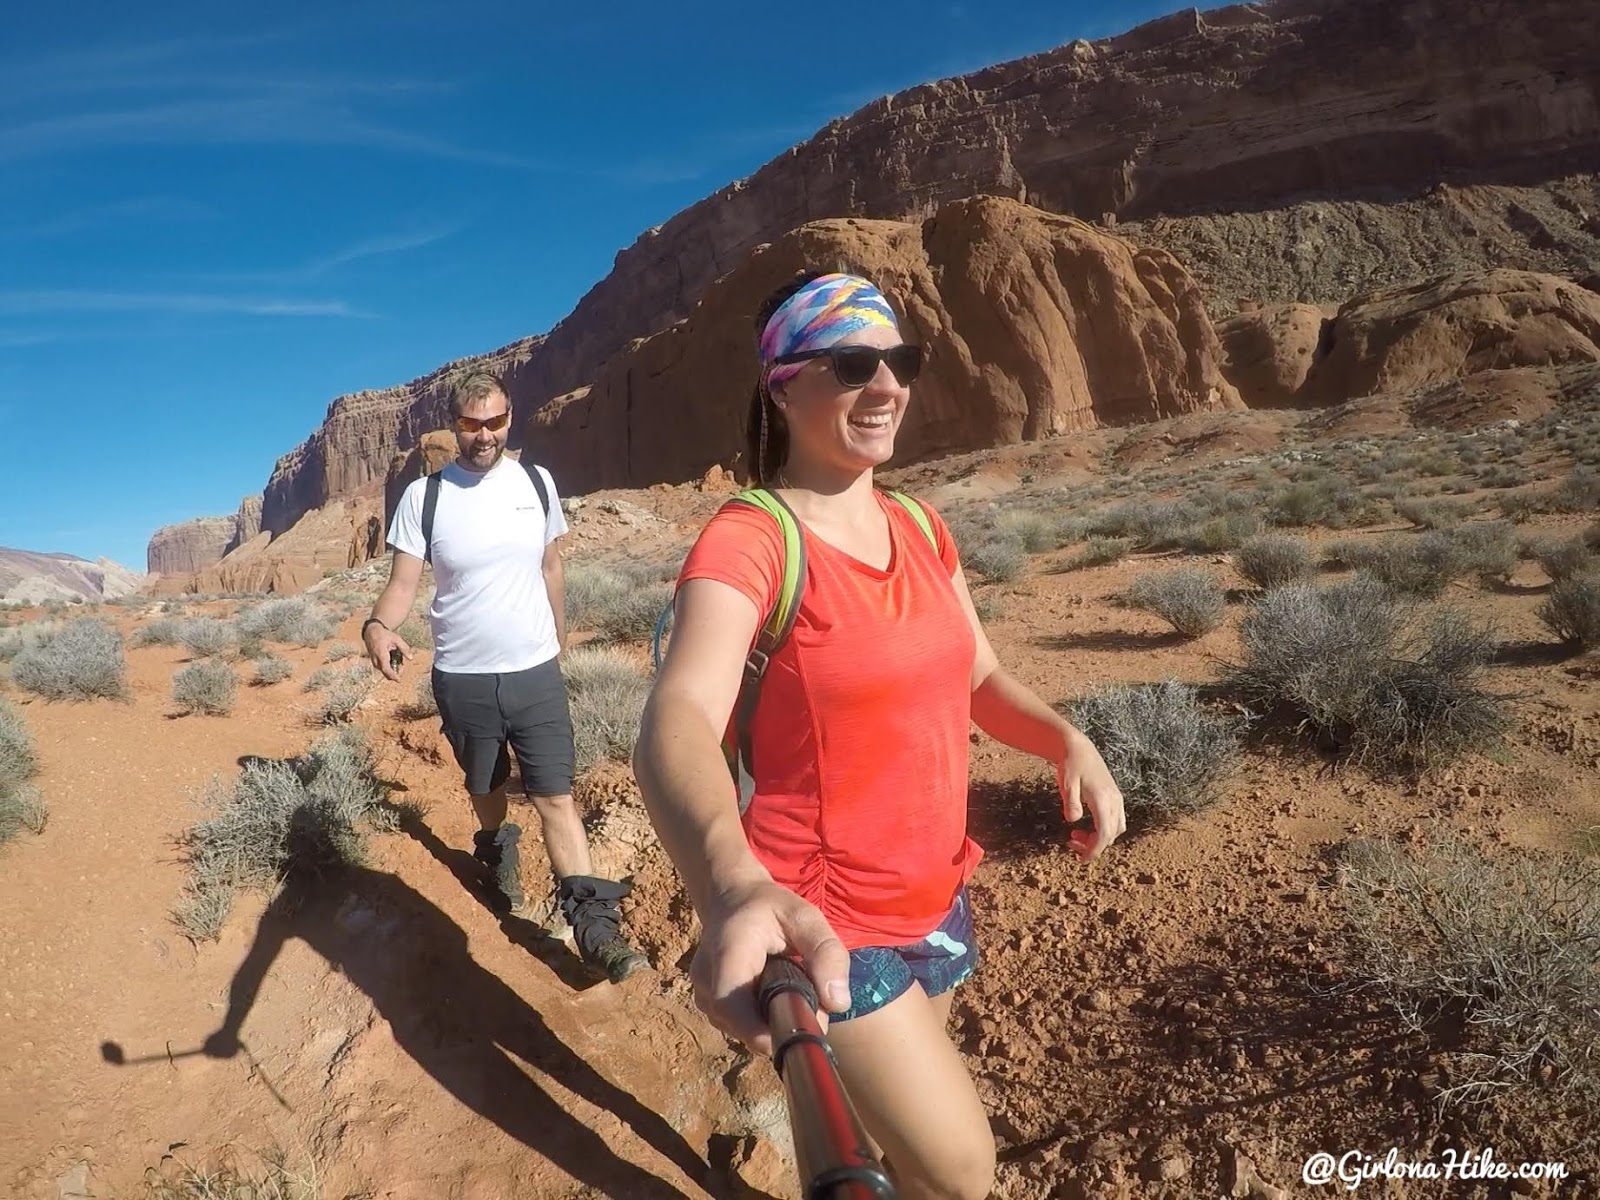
[[1171, 1021]]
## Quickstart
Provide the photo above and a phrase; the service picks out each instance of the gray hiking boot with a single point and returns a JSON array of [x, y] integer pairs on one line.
[[496, 849], [591, 908]]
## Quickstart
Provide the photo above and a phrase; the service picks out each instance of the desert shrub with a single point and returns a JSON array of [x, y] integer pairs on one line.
[[1504, 948], [320, 678], [1036, 531], [988, 605], [591, 591], [608, 688], [1572, 609], [1516, 507], [1189, 600], [163, 631], [1302, 504], [344, 694], [1152, 525], [416, 631], [293, 620], [83, 660], [205, 637], [632, 616], [271, 668], [1352, 553], [278, 816], [1579, 491], [1274, 559], [1226, 532], [1562, 560], [1363, 669], [21, 806], [1432, 514], [1423, 566], [998, 560], [27, 636], [1100, 552], [340, 651], [1167, 753], [1488, 549], [424, 703], [207, 686]]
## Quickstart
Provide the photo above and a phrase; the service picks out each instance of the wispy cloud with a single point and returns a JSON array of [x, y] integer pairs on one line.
[[39, 303], [137, 210], [321, 266], [264, 119]]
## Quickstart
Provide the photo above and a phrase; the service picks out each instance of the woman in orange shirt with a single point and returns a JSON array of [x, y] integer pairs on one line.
[[853, 853]]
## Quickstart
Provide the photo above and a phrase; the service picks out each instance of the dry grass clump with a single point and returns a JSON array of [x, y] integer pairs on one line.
[[1189, 599], [1572, 609], [1100, 552], [207, 686], [1507, 948], [608, 688], [1371, 673], [292, 620], [305, 813], [1167, 753], [1275, 559], [207, 637], [21, 806], [999, 559], [272, 668], [82, 660]]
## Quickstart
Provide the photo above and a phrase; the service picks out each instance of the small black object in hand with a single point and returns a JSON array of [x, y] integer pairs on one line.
[[395, 658]]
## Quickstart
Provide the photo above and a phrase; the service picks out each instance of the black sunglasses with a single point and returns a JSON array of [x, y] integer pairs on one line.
[[854, 366]]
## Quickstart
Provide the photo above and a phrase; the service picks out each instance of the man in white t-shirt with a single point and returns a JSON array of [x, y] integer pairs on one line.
[[489, 524]]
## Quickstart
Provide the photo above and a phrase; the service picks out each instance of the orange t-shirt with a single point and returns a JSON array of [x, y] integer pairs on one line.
[[860, 740]]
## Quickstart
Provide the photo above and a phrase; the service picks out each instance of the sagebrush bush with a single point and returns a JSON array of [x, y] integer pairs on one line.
[[272, 668], [1036, 531], [345, 693], [1562, 560], [206, 686], [293, 620], [206, 637], [998, 560], [1433, 514], [1488, 549], [1370, 672], [1352, 553], [83, 660], [632, 616], [1188, 599], [608, 688], [276, 816], [340, 651], [1572, 609], [1226, 532], [1275, 559], [1579, 491], [163, 631], [590, 592], [1505, 949], [21, 806], [1167, 753], [1100, 552], [1419, 566], [417, 632]]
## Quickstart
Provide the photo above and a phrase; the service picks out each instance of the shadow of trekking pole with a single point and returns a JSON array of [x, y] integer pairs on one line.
[[831, 1146]]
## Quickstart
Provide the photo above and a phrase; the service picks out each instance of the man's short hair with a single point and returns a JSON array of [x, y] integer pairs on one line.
[[474, 387]]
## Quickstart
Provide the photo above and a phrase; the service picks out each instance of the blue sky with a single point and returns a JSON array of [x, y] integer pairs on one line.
[[216, 218]]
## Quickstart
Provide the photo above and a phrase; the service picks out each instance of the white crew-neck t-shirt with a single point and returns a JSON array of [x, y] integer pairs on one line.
[[491, 612]]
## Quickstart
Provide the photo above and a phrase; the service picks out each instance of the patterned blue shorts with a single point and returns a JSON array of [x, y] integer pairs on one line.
[[880, 974]]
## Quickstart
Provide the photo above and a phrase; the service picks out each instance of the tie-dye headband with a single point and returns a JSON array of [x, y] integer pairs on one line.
[[819, 315]]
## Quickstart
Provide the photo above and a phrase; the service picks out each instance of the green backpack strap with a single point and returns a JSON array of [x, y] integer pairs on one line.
[[918, 514], [776, 628]]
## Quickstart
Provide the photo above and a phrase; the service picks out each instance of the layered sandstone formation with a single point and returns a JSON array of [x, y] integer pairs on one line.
[[341, 534], [246, 522], [189, 546], [1402, 338], [430, 454], [363, 432], [1247, 107], [1037, 324], [30, 577]]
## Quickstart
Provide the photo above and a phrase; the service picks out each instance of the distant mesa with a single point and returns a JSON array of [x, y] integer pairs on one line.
[[35, 577]]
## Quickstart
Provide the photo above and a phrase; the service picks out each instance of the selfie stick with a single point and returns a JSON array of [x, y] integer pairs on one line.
[[831, 1146]]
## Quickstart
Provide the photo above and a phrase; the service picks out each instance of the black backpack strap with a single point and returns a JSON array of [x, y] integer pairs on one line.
[[532, 469], [430, 501]]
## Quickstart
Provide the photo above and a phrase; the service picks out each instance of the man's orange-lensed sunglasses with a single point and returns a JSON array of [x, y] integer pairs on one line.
[[473, 424]]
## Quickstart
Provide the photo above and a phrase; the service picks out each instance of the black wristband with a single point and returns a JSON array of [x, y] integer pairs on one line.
[[370, 621]]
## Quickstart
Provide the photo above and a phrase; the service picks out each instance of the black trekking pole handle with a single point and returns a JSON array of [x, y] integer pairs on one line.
[[831, 1146]]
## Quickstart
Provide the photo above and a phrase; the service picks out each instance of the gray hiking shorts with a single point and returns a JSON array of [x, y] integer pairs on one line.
[[481, 714]]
